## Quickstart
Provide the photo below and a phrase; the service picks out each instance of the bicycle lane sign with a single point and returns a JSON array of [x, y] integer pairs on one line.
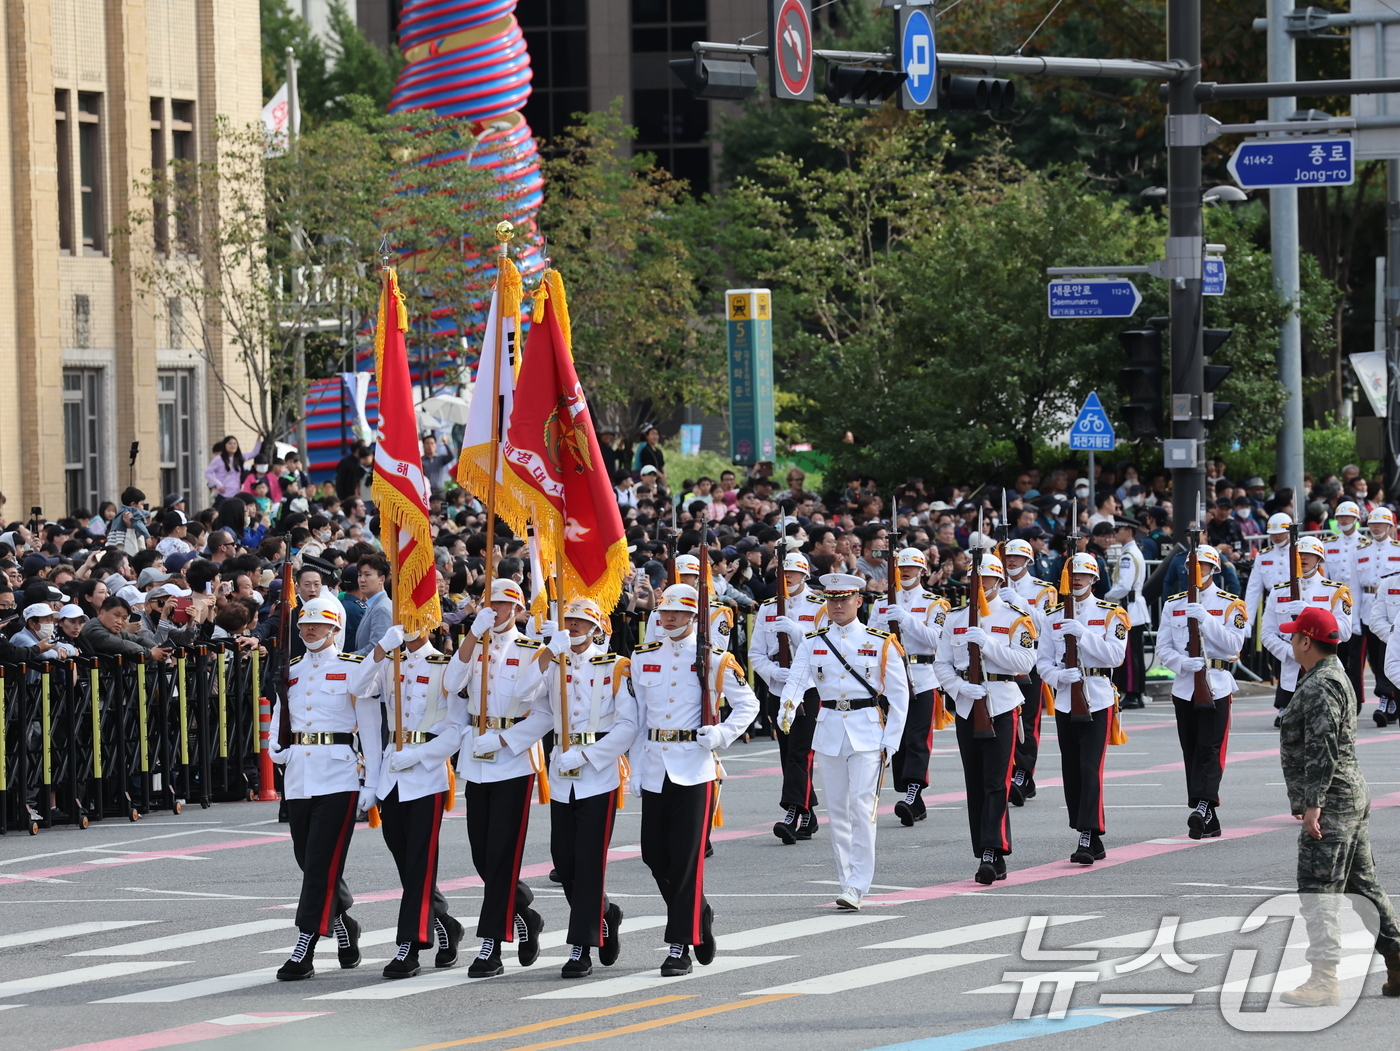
[[1092, 429]]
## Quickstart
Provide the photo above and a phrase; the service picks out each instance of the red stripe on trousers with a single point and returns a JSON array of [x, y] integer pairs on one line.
[[425, 907], [338, 867], [519, 853], [1225, 745], [807, 799], [700, 864], [929, 743], [1103, 758], [607, 838], [1010, 773]]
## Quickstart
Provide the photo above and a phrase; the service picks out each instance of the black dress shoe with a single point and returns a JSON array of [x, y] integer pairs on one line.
[[1028, 789], [447, 957], [408, 967], [807, 825], [986, 874], [1015, 795], [999, 867], [1096, 847], [675, 966], [785, 832], [296, 970], [487, 967], [1278, 721], [529, 950], [577, 967], [1379, 716], [705, 951], [905, 813], [709, 849], [612, 945], [554, 876], [1212, 829], [1084, 851], [349, 954]]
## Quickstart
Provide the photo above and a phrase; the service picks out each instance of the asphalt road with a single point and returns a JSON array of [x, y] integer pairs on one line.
[[165, 933]]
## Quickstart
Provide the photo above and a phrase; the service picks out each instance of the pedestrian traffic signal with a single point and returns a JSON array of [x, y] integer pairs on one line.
[[976, 93], [1142, 383], [716, 78], [864, 86], [1211, 340]]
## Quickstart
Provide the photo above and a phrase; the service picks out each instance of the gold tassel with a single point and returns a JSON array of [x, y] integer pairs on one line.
[[1115, 732], [984, 608], [373, 817], [718, 821], [544, 788], [451, 786], [942, 719], [1064, 576], [1048, 696], [624, 773]]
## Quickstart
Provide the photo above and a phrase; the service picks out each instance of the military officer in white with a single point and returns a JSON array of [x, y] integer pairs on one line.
[[1379, 602], [721, 616], [1313, 590], [1128, 579], [1201, 730], [323, 783], [498, 765], [917, 616], [1037, 595], [1005, 636], [675, 766], [1270, 565], [1348, 554], [413, 789], [805, 612], [1101, 633], [585, 774], [852, 667]]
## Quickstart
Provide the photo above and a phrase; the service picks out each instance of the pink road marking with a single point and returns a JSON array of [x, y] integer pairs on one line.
[[67, 870], [188, 1034], [763, 771]]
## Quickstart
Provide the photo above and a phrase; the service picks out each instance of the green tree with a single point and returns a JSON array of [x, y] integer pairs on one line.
[[328, 74]]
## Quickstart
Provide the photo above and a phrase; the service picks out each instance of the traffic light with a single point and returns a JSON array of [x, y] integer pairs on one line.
[[716, 78], [1213, 410], [866, 87], [976, 93], [1142, 383]]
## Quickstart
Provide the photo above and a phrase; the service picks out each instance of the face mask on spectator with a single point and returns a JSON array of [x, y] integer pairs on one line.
[[43, 632]]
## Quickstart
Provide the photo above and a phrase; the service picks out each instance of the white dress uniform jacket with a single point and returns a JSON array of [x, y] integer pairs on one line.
[[1011, 653], [1313, 590], [1128, 581], [516, 685], [804, 609], [1102, 648], [919, 631], [667, 685], [424, 710], [320, 700], [877, 657], [1385, 577], [1371, 563], [1344, 554], [1270, 566], [1221, 638], [601, 702]]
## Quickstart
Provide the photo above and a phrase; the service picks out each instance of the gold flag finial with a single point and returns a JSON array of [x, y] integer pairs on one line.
[[505, 231]]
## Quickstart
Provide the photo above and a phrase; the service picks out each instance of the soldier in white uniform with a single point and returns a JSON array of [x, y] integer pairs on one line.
[[1131, 675], [1101, 633], [1038, 596], [1348, 554], [586, 779], [1270, 566], [675, 766], [323, 783], [853, 668], [499, 766], [413, 790], [805, 612], [1006, 638], [1203, 732], [1313, 590], [917, 618], [1379, 600], [721, 616]]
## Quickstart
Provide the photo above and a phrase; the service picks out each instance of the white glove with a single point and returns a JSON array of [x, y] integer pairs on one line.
[[1295, 609], [785, 718], [1071, 675], [1067, 627], [634, 785], [895, 614], [367, 800], [974, 636], [279, 755], [972, 691], [486, 744], [788, 626], [778, 678], [559, 641], [887, 751], [1195, 611], [403, 760], [573, 759], [483, 622], [708, 737], [393, 638], [1191, 665]]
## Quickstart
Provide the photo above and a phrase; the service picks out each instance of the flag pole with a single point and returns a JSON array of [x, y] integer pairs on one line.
[[391, 538], [565, 659]]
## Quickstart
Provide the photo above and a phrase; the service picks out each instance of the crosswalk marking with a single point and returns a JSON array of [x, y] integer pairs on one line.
[[554, 939], [974, 932], [42, 982], [190, 938], [1184, 932], [781, 932], [650, 981], [383, 936], [424, 983], [71, 930], [879, 973], [223, 983]]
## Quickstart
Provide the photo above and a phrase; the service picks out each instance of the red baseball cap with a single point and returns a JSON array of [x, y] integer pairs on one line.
[[1315, 623]]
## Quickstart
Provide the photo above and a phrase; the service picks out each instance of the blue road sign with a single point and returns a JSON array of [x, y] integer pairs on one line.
[[1213, 277], [1074, 297], [918, 60], [1309, 161], [1091, 428]]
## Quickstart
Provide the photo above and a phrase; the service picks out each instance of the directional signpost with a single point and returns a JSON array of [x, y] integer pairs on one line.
[[1213, 277], [917, 60], [1082, 297], [1311, 161]]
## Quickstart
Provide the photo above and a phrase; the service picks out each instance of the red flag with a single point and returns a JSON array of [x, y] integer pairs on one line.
[[400, 494], [553, 461]]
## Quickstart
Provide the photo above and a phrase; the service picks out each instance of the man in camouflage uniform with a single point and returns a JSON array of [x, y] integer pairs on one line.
[[1317, 746]]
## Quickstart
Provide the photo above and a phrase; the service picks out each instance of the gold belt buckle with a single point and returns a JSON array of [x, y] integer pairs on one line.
[[843, 705], [571, 774], [670, 735]]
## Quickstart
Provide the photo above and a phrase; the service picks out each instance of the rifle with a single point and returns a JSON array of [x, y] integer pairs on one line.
[[784, 647], [1201, 697], [1078, 696], [1003, 530], [708, 716], [284, 640], [892, 573], [1294, 590], [981, 712]]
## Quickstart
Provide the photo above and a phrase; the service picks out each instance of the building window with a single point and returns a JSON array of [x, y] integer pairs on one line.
[[556, 32], [670, 123], [174, 409], [175, 317], [82, 322], [182, 154], [90, 173], [160, 205], [82, 433], [61, 104]]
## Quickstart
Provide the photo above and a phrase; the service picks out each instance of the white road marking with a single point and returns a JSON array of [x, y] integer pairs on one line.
[[974, 932], [650, 981], [71, 930], [427, 982], [878, 974], [82, 975], [554, 939], [224, 983], [182, 941], [781, 932]]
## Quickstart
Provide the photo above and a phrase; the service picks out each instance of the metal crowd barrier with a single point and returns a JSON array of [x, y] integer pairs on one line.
[[91, 738]]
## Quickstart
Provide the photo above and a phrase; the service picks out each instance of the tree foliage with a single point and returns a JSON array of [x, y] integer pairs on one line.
[[328, 74]]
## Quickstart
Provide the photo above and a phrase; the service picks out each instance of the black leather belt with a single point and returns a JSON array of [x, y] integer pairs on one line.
[[921, 658], [988, 677], [587, 738], [1103, 673], [844, 705], [670, 735], [1221, 665], [323, 737], [1370, 589], [417, 737]]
